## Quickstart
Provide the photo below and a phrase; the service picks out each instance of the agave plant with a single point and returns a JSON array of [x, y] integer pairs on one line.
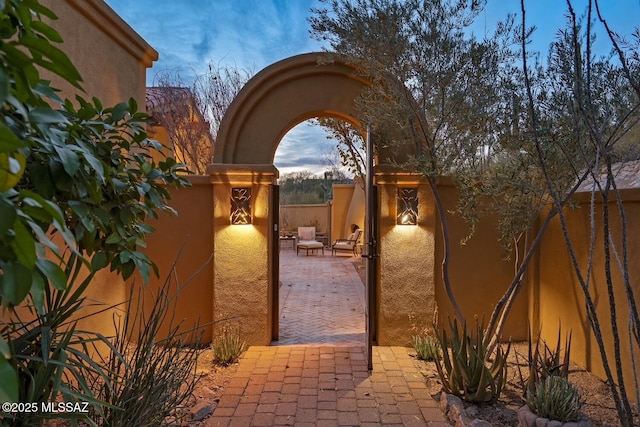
[[545, 362], [465, 366], [427, 346], [555, 398]]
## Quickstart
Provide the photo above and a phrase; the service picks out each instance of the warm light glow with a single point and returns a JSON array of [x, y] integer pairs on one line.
[[240, 206], [407, 204]]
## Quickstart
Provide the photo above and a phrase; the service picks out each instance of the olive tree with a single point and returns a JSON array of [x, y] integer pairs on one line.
[[519, 138]]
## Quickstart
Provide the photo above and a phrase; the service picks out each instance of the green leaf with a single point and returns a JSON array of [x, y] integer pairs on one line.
[[16, 282], [53, 272], [37, 293], [5, 350], [8, 140], [99, 261], [8, 215], [59, 62], [46, 115], [11, 170], [8, 382], [70, 161], [120, 111], [24, 245], [113, 238], [46, 31]]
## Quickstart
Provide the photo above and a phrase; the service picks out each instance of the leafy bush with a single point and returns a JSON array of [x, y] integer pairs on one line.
[[555, 398], [465, 368], [228, 345], [427, 347], [86, 174]]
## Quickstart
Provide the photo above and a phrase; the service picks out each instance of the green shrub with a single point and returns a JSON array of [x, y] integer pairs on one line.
[[465, 368], [555, 398], [427, 347], [228, 345]]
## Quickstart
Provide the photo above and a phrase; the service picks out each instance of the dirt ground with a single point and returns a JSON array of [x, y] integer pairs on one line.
[[599, 405]]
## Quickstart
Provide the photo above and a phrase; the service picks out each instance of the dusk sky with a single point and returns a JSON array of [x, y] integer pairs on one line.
[[252, 34]]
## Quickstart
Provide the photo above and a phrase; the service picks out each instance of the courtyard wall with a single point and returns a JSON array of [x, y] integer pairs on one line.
[[558, 300]]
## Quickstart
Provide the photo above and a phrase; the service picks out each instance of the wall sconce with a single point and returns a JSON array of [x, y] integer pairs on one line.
[[407, 206], [240, 206]]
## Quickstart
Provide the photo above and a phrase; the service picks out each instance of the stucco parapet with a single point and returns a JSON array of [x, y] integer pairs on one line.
[[199, 179], [222, 173], [109, 22], [626, 194], [386, 174]]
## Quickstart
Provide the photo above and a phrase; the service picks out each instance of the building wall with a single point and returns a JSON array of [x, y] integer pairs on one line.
[[110, 56], [185, 240], [314, 215], [478, 271], [112, 60], [559, 299]]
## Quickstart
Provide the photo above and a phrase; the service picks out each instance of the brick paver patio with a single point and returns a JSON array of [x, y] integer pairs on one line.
[[316, 375]]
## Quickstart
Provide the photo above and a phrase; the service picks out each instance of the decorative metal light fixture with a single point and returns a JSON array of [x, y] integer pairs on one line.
[[407, 206], [240, 206]]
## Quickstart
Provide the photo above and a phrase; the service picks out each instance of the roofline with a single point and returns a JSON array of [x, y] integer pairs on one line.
[[109, 22]]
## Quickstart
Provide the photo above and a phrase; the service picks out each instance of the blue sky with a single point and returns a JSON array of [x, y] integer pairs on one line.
[[252, 34]]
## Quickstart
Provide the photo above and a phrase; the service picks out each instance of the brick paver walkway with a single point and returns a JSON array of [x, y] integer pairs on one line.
[[322, 300], [316, 375]]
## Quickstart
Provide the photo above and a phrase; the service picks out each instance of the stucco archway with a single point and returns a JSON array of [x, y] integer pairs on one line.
[[273, 101], [278, 98]]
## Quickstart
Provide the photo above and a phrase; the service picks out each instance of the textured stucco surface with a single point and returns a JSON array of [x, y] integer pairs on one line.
[[241, 265], [559, 299], [107, 52], [406, 266]]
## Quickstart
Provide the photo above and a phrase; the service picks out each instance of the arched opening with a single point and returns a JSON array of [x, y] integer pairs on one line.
[[322, 298], [245, 272]]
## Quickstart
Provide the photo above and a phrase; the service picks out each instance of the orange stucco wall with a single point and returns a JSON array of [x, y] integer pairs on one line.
[[478, 271], [112, 60], [559, 299], [186, 240], [111, 57]]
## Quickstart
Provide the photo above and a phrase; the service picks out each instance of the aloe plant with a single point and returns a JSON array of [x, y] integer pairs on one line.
[[555, 398], [465, 366], [427, 346], [545, 362]]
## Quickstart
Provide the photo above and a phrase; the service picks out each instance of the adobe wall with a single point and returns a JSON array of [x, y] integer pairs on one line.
[[242, 276], [478, 271], [312, 215], [111, 57], [185, 239], [405, 267], [559, 299]]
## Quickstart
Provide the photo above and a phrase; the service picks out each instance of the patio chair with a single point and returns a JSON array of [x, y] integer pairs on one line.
[[347, 245], [307, 240]]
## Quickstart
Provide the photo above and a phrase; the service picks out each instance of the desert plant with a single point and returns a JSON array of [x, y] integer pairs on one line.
[[228, 344], [465, 368], [555, 398], [427, 347], [82, 172], [544, 362], [150, 377]]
